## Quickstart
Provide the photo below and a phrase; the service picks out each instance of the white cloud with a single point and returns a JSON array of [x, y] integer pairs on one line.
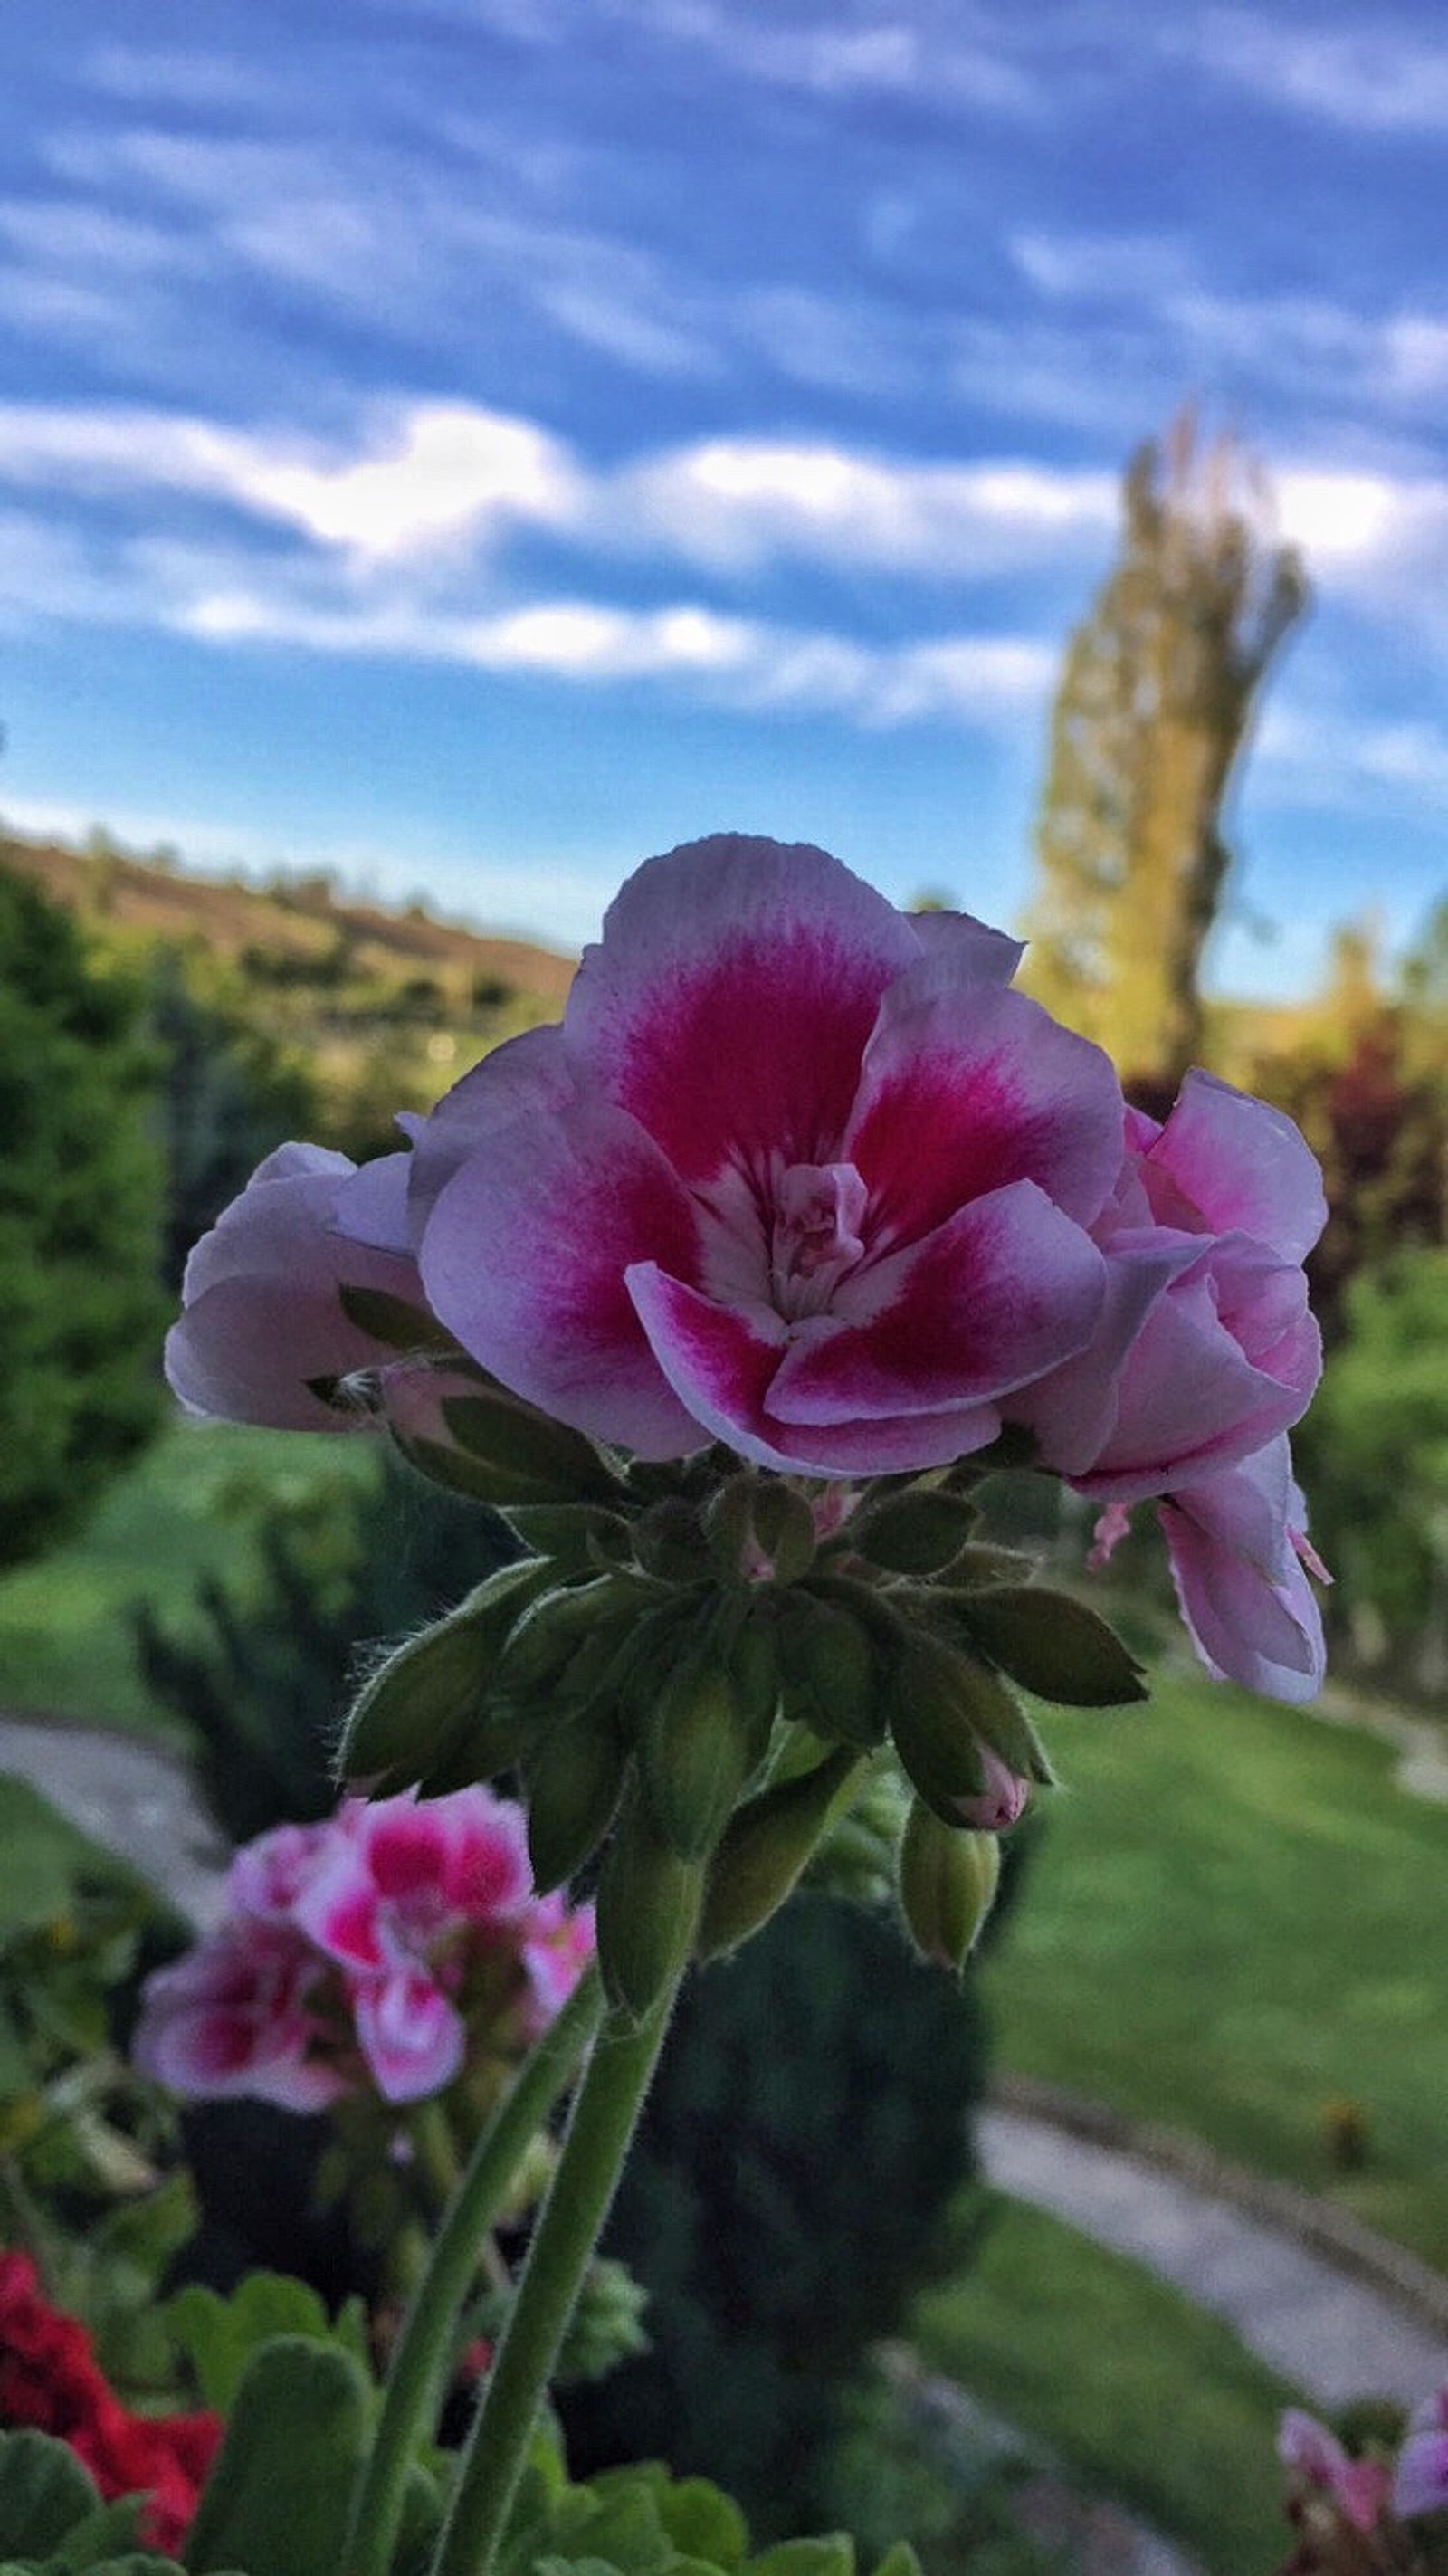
[[1375, 79], [435, 478]]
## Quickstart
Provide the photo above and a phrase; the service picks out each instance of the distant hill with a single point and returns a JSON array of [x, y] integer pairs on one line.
[[300, 922]]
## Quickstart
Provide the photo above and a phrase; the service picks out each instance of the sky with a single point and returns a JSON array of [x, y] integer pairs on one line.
[[474, 444]]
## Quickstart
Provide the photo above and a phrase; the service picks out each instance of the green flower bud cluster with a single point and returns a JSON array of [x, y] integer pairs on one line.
[[698, 1669]]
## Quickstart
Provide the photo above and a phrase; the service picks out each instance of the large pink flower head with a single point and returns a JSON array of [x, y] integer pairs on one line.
[[797, 1172]]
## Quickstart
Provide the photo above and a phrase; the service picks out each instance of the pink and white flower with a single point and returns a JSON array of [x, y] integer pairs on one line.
[[380, 1948], [797, 1172]]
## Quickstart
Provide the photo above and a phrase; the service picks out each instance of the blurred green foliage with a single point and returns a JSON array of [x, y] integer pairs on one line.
[[80, 1215]]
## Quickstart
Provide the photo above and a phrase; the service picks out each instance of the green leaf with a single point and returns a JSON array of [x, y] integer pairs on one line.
[[44, 2493], [831, 2556], [539, 1460], [899, 2561], [703, 2522], [1055, 1646], [219, 2336], [425, 1706], [917, 1532], [278, 2496]]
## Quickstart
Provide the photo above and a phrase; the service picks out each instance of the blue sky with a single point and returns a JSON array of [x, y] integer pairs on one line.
[[476, 443]]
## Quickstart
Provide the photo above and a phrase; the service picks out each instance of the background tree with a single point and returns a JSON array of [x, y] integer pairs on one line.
[[1151, 718], [80, 1215]]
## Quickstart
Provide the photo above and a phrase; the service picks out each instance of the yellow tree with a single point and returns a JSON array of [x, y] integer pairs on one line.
[[1151, 718]]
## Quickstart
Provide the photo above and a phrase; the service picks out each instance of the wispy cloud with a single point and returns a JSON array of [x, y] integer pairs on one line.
[[422, 479], [1382, 79]]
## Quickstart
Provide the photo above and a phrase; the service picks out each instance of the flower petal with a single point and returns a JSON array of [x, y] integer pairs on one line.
[[524, 1255], [723, 1360], [965, 1090], [728, 1004], [1190, 1400], [408, 2032], [1246, 1626], [1008, 1288], [1239, 1165], [1420, 2480], [262, 1317]]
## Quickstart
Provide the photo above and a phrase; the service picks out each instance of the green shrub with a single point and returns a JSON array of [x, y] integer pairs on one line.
[[80, 1218]]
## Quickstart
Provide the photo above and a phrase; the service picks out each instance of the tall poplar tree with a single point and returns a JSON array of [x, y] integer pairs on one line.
[[1151, 719]]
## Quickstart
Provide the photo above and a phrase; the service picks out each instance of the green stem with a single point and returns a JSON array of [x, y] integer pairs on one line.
[[605, 2109], [417, 2375]]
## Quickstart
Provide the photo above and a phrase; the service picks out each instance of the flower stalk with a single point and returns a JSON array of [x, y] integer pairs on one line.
[[605, 2112], [417, 2376]]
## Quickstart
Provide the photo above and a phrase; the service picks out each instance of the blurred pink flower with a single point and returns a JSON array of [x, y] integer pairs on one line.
[[377, 1948], [1358, 2488]]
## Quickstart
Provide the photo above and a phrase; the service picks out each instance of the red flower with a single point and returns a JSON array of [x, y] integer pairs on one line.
[[51, 2381]]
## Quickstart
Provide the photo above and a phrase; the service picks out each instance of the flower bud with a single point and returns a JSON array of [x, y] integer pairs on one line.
[[524, 1456], [827, 1670], [947, 1885], [1002, 1800], [423, 1715], [946, 1711], [920, 1531], [541, 1647], [695, 1751], [572, 1776], [784, 1530], [647, 1908], [766, 1847], [1054, 1646]]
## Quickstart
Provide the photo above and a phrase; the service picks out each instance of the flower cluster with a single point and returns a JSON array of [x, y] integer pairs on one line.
[[381, 1949], [1338, 2501], [51, 2382], [804, 1175]]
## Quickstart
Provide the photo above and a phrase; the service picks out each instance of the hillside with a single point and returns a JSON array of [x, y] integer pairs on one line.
[[303, 923]]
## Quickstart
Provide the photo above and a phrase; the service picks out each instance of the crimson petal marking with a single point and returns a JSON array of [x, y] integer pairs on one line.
[[729, 1002], [1241, 1166], [409, 2033], [967, 1090], [1007, 1289], [723, 1361], [524, 1256]]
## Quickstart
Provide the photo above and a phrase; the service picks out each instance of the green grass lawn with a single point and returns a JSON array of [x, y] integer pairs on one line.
[[1145, 2397], [1234, 1916], [190, 1507]]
